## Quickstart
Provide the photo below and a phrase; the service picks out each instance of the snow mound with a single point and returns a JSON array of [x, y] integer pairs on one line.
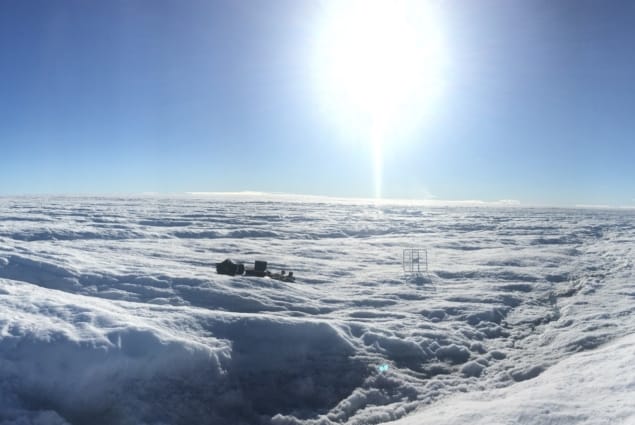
[[88, 361], [73, 359], [595, 387]]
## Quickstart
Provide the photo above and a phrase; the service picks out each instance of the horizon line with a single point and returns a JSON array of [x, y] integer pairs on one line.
[[507, 203]]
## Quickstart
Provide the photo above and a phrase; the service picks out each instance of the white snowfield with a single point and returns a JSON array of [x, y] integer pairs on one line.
[[111, 312]]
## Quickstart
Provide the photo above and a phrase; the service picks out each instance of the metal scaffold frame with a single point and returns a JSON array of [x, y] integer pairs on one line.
[[415, 261]]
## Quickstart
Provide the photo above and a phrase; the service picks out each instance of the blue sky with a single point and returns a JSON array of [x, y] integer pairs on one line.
[[171, 96]]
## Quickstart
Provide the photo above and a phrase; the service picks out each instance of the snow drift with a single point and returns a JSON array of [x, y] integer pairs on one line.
[[111, 313]]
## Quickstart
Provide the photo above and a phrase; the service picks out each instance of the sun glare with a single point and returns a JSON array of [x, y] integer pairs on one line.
[[379, 63]]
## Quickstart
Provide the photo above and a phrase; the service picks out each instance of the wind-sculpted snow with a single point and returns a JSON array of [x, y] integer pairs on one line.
[[111, 312], [594, 387]]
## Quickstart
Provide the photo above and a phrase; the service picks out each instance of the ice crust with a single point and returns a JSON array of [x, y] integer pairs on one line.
[[111, 313]]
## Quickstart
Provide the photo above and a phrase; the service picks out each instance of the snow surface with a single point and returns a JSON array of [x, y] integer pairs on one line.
[[111, 313]]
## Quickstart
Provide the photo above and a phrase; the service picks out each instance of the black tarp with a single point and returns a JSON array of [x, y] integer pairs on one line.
[[230, 267]]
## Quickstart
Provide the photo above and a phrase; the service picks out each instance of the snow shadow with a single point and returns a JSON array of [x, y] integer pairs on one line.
[[300, 368]]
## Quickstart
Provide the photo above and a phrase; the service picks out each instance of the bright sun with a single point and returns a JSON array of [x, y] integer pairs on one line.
[[379, 63]]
